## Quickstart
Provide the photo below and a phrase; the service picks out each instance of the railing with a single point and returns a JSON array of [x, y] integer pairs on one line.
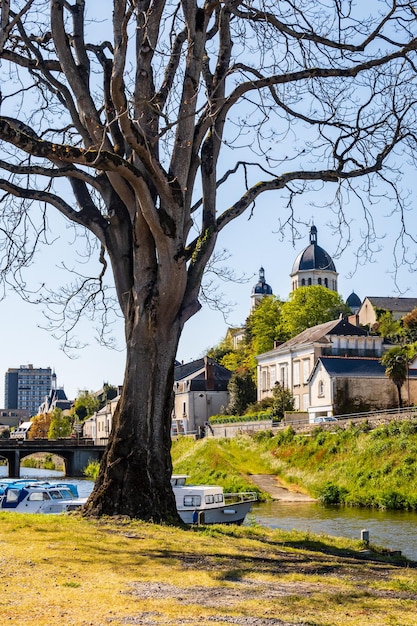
[[241, 496]]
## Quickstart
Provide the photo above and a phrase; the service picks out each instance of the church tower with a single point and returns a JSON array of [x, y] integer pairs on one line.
[[314, 266], [260, 290]]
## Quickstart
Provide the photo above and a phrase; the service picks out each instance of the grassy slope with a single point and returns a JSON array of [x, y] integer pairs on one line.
[[72, 571], [359, 468]]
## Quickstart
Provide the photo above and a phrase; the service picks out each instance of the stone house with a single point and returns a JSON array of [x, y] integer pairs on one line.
[[201, 391], [339, 386], [292, 362], [398, 307]]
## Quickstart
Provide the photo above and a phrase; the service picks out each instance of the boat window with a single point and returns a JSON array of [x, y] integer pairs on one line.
[[192, 500], [178, 481], [12, 495], [37, 496], [55, 494], [218, 497], [66, 494], [209, 499]]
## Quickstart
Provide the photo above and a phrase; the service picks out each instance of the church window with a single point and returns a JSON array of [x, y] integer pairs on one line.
[[309, 282], [326, 282], [319, 281], [303, 282]]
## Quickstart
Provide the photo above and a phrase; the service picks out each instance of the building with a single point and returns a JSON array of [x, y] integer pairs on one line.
[[98, 426], [340, 386], [260, 290], [314, 266], [56, 399], [201, 390], [26, 387], [292, 362], [371, 307]]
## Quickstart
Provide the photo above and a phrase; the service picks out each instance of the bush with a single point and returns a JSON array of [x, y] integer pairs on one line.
[[332, 494]]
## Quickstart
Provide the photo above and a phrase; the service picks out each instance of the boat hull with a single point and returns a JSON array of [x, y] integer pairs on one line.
[[226, 514]]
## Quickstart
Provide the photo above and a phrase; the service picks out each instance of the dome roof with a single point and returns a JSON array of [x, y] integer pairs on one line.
[[313, 257], [261, 286], [354, 301]]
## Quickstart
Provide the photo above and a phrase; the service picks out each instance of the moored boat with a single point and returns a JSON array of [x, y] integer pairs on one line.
[[208, 504], [41, 497]]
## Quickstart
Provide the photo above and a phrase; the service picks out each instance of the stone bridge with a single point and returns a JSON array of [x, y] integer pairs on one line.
[[76, 453]]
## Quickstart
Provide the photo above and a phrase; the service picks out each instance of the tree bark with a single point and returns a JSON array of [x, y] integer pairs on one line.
[[135, 471]]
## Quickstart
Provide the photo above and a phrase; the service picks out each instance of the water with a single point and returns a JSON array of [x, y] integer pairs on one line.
[[396, 530]]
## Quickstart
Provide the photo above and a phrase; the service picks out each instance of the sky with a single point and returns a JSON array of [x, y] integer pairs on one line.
[[253, 240], [250, 244]]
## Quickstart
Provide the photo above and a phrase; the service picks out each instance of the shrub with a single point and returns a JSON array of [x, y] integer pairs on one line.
[[332, 494]]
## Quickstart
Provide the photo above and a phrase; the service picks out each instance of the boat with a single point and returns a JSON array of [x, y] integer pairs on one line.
[[40, 497], [208, 504]]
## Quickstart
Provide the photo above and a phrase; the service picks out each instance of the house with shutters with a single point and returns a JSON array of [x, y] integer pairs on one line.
[[291, 363], [201, 390]]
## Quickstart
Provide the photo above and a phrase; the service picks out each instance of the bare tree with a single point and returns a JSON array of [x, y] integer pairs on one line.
[[134, 117]]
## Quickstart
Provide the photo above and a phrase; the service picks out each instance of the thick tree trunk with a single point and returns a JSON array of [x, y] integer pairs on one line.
[[135, 472]]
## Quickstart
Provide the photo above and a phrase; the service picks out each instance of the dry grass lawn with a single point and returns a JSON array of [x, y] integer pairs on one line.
[[71, 571]]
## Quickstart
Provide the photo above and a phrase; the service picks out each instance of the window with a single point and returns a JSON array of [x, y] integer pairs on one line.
[[218, 497], [192, 501], [296, 373], [306, 370], [305, 401], [210, 499], [319, 281], [321, 389]]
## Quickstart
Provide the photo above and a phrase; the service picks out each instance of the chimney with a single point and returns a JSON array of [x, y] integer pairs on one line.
[[209, 374]]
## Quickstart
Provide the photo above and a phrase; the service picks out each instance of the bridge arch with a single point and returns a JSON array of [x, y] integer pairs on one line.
[[75, 454]]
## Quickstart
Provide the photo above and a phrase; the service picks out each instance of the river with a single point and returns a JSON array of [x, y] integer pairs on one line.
[[396, 530]]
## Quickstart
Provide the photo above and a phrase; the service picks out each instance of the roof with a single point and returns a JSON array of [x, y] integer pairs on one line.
[[261, 286], [392, 303], [196, 370], [321, 332], [353, 300], [360, 367], [313, 257]]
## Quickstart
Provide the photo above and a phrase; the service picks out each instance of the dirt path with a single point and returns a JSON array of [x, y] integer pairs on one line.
[[272, 485]]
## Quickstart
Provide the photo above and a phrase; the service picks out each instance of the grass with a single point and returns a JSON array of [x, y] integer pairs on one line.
[[354, 466], [75, 571]]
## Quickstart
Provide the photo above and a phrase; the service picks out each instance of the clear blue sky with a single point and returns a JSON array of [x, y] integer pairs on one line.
[[251, 244]]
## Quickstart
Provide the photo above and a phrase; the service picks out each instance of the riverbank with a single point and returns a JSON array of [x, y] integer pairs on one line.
[[118, 572], [277, 490]]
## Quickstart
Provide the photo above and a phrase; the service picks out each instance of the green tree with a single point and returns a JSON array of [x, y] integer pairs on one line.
[[282, 400], [85, 405], [309, 306], [242, 390], [395, 361], [264, 325], [60, 425], [388, 327], [129, 129], [410, 326]]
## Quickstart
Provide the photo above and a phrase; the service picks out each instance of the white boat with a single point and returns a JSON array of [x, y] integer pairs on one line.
[[208, 504], [39, 498]]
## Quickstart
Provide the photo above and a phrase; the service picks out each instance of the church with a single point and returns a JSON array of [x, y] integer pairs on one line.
[[333, 368]]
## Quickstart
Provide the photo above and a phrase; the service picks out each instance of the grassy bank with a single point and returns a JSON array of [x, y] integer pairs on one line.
[[68, 570], [356, 467]]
